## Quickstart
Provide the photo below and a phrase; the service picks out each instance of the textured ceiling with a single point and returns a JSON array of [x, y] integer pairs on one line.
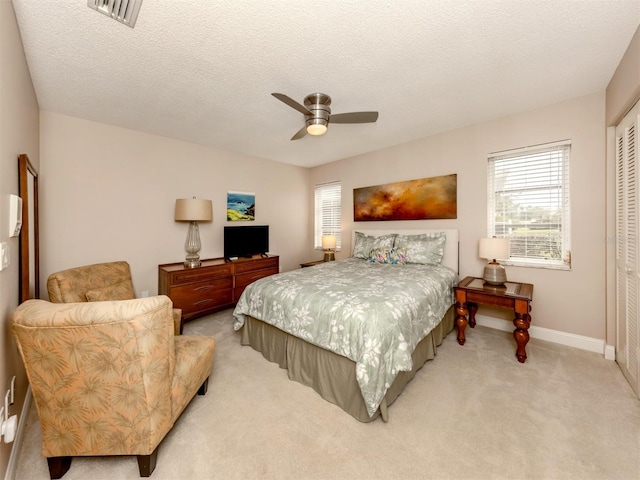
[[203, 71]]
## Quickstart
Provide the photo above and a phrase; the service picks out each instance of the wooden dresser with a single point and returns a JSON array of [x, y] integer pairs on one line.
[[215, 285]]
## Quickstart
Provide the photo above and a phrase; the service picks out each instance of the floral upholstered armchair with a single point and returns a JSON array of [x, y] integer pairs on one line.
[[98, 282], [108, 378]]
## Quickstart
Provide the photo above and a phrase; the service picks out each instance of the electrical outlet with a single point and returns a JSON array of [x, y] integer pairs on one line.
[[145, 293]]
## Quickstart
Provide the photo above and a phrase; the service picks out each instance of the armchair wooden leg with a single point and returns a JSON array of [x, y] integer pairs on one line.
[[203, 388], [58, 466], [147, 463]]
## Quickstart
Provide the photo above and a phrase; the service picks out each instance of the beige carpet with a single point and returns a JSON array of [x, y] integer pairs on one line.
[[472, 413]]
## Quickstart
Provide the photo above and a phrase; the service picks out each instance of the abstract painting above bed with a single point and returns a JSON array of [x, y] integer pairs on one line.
[[372, 313]]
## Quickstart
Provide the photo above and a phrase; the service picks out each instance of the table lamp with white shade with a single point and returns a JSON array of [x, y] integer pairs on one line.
[[492, 249], [329, 247], [193, 210]]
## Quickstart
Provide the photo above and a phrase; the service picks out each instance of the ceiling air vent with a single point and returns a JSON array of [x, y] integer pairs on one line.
[[124, 11]]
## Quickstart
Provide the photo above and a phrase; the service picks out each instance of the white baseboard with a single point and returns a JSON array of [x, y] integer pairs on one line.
[[10, 474], [555, 336], [609, 352]]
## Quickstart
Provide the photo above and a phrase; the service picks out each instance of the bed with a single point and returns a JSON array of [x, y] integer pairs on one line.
[[357, 330]]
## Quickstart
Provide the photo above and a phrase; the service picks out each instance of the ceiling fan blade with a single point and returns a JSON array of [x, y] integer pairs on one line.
[[300, 133], [291, 102], [354, 117]]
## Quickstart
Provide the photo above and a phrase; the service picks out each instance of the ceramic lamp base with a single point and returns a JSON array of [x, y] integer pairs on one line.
[[494, 274]]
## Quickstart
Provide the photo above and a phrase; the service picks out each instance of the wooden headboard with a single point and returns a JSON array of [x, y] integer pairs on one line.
[[450, 258]]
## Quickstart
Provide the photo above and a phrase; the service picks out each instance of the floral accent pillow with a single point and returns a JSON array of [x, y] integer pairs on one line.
[[119, 291], [394, 256], [425, 248], [364, 243]]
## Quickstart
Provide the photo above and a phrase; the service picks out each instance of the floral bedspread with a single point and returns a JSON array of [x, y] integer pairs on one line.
[[372, 313]]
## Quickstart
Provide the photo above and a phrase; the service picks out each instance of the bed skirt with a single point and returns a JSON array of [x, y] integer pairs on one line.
[[331, 375]]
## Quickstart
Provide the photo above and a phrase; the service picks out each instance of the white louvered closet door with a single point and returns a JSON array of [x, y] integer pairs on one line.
[[627, 247]]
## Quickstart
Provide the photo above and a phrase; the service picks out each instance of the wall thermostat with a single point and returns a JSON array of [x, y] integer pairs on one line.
[[15, 215]]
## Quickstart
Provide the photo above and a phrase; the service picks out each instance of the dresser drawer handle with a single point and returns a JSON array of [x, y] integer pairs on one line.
[[200, 302], [204, 287]]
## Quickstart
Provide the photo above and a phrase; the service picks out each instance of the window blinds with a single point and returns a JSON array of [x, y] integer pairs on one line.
[[328, 206], [529, 204]]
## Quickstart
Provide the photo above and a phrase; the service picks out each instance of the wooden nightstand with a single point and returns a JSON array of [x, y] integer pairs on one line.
[[515, 296], [311, 264]]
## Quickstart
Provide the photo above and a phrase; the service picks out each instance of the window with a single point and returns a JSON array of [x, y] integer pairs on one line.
[[328, 213], [528, 196]]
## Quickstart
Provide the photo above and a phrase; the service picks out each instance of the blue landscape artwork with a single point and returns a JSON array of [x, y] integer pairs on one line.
[[241, 206]]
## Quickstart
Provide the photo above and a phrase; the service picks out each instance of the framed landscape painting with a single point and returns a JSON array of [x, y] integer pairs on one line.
[[241, 206], [422, 199]]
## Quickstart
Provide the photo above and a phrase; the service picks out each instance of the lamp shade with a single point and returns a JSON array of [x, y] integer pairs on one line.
[[494, 248], [193, 210], [328, 242]]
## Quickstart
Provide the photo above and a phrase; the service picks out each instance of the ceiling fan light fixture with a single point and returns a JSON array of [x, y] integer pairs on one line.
[[317, 114], [316, 129]]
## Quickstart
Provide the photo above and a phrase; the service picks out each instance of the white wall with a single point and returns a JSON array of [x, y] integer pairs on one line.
[[569, 301], [18, 134], [108, 193]]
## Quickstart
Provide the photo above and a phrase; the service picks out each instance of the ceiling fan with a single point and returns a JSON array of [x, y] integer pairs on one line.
[[317, 114]]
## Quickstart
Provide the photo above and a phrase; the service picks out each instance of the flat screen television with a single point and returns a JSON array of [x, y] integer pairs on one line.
[[246, 241]]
